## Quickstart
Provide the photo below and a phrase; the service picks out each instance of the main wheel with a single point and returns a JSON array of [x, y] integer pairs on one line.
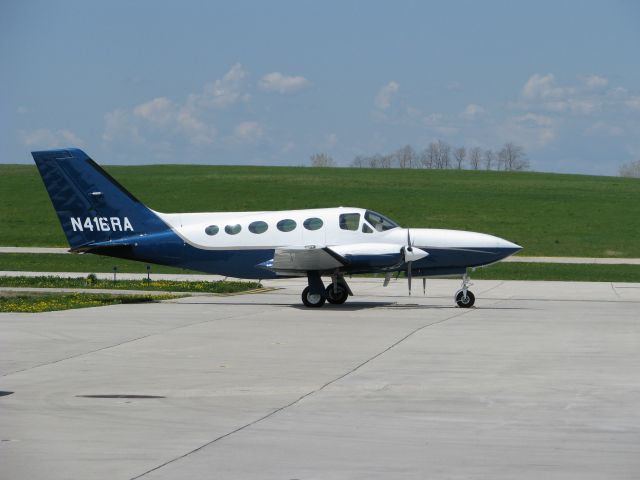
[[338, 297], [312, 300], [465, 302]]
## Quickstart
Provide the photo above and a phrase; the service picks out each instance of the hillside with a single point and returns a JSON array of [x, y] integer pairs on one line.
[[549, 214]]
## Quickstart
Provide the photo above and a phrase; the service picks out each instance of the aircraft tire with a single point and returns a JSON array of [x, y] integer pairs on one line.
[[312, 300], [336, 298], [465, 303]]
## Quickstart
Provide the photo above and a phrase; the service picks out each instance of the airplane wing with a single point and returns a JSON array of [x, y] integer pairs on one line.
[[299, 260], [292, 260]]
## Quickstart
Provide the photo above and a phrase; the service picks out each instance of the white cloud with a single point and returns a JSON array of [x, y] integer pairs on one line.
[[534, 119], [160, 111], [45, 138], [530, 130], [472, 111], [542, 92], [603, 128], [595, 81], [161, 118], [248, 132], [222, 92], [633, 102], [542, 87], [278, 82], [198, 132], [385, 95], [119, 126]]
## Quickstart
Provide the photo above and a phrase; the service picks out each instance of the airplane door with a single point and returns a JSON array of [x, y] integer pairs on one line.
[[314, 231]]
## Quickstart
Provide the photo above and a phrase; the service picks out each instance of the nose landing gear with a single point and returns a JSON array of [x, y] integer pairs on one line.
[[464, 297]]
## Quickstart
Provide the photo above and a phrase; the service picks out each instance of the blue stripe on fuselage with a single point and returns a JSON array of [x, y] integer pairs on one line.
[[167, 248]]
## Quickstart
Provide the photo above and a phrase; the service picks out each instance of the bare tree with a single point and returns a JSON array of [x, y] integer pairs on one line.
[[444, 154], [512, 158], [460, 154], [406, 157], [430, 156], [322, 160], [630, 170], [475, 156], [374, 161], [386, 161], [359, 161], [489, 157]]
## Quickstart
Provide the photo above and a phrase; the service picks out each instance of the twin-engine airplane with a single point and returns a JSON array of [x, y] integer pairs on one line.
[[99, 216]]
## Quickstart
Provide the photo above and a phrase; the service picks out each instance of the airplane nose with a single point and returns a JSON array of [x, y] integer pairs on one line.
[[509, 248]]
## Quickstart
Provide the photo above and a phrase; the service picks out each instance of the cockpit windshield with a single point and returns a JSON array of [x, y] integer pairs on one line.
[[379, 222]]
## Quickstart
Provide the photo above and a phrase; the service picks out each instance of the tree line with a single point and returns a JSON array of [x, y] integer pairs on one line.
[[630, 170], [439, 155]]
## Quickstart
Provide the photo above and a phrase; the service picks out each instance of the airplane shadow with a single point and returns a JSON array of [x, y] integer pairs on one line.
[[355, 306]]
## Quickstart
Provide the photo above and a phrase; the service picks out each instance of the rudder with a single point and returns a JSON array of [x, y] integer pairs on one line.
[[91, 205]]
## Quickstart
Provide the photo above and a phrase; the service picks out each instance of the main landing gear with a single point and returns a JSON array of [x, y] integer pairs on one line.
[[315, 295], [464, 297]]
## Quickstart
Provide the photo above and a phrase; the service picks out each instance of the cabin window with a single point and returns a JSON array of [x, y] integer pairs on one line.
[[286, 225], [258, 227], [366, 228], [233, 229], [211, 230], [312, 223], [379, 222], [350, 221]]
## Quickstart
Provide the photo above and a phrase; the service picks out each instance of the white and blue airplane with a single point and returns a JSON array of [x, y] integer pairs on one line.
[[99, 216]]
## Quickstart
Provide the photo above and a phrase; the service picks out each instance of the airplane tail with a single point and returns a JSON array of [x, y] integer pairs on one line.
[[95, 211]]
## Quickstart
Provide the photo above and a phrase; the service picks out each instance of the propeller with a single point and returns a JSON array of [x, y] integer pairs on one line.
[[409, 249], [410, 255]]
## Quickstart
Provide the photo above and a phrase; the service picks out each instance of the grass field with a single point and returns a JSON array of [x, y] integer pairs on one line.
[[549, 214], [220, 286], [35, 303], [46, 262]]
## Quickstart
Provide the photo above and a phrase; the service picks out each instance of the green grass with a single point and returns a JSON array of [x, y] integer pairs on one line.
[[155, 285], [549, 214], [48, 262], [560, 272], [34, 303]]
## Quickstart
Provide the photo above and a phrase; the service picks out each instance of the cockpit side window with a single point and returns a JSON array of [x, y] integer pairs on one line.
[[379, 222], [350, 221], [366, 228]]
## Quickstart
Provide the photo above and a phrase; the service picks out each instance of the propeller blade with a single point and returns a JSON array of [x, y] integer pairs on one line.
[[387, 278], [409, 275], [424, 286], [409, 241]]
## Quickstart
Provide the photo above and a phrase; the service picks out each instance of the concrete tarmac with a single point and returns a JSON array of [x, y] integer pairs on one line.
[[541, 380]]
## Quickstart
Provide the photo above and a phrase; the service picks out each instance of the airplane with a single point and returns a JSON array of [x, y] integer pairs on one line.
[[99, 216]]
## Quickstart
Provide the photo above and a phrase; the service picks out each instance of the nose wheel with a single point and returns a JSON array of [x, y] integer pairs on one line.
[[464, 297], [465, 302]]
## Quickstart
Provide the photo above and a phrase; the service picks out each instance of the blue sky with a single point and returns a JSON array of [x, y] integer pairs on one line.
[[270, 83]]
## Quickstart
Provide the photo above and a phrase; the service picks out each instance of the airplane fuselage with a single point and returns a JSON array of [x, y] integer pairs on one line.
[[239, 243]]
